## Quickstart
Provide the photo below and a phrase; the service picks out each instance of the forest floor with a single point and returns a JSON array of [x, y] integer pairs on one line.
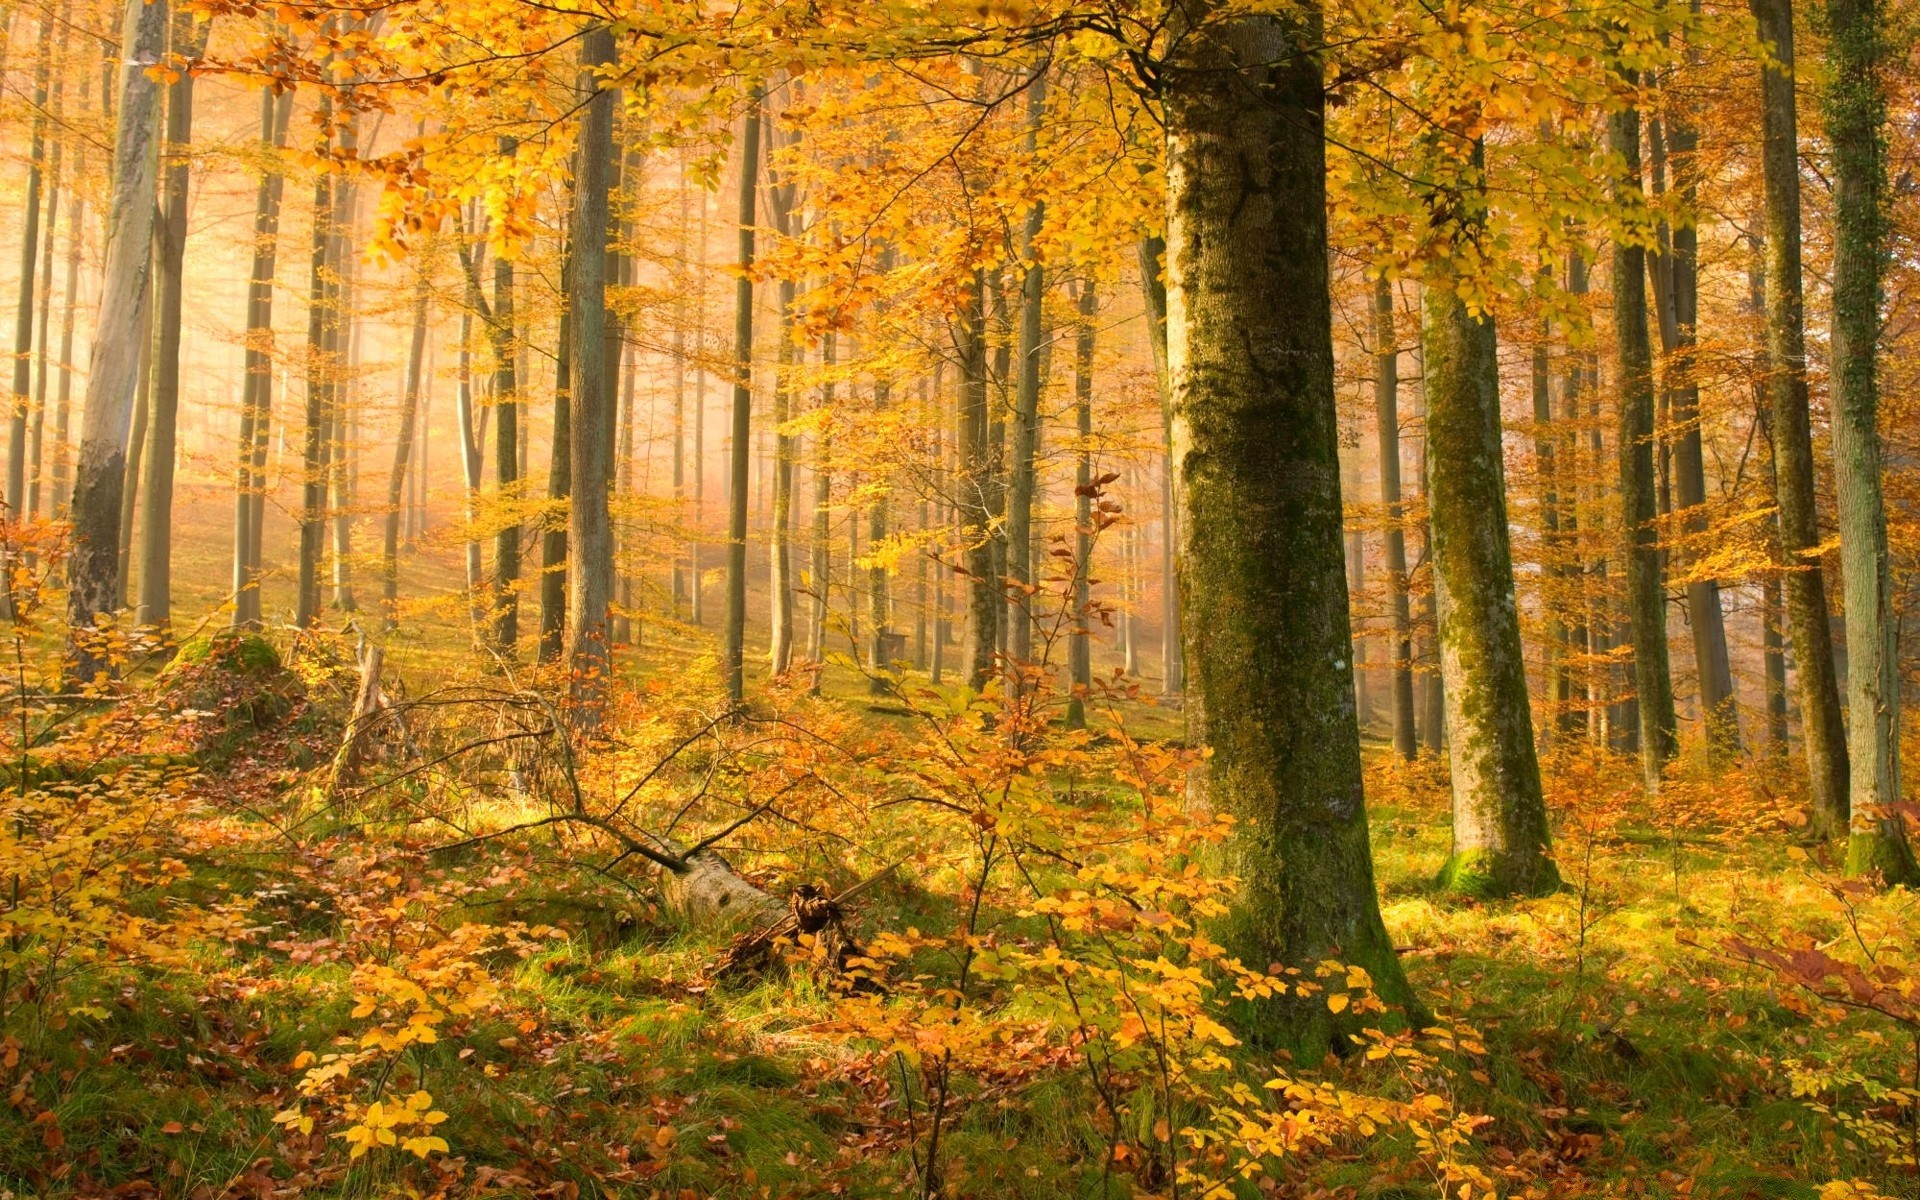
[[234, 984]]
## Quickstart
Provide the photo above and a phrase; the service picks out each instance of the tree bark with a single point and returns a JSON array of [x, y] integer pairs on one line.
[[403, 453], [1153, 253], [740, 452], [1646, 590], [155, 608], [1856, 119], [256, 389], [820, 564], [1386, 410], [975, 485], [1080, 650], [780, 205], [136, 450], [506, 456], [1822, 725], [1500, 840], [22, 401], [589, 521], [1026, 405], [100, 473], [1255, 435], [553, 536], [1719, 711]]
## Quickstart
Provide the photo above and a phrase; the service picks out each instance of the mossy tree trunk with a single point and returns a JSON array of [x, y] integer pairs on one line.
[[1263, 584], [1823, 727], [1500, 837], [1856, 112]]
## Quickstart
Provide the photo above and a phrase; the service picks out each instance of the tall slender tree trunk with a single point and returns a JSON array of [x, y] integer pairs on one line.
[[780, 198], [403, 454], [681, 270], [62, 473], [975, 486], [100, 473], [1256, 432], [1706, 620], [1433, 696], [1646, 591], [1026, 405], [1856, 118], [1823, 727], [1386, 408], [136, 450], [820, 559], [506, 456], [1080, 649], [473, 440], [22, 398], [695, 555], [1773, 612], [553, 536], [1153, 253], [313, 458], [43, 322], [740, 452], [342, 340], [256, 389], [1500, 841], [1572, 691], [591, 401], [879, 589], [155, 609]]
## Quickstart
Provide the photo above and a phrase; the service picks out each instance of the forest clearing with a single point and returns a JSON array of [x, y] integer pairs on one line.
[[1126, 599]]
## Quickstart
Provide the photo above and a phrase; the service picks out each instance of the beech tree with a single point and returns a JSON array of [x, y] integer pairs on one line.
[[1263, 582]]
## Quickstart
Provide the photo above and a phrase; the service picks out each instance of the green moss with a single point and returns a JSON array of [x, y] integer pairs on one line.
[[1883, 853], [1487, 875]]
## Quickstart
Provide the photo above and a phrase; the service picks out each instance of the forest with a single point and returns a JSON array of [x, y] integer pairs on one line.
[[1122, 599]]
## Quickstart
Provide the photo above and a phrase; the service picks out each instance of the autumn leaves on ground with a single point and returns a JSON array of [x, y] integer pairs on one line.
[[1121, 600]]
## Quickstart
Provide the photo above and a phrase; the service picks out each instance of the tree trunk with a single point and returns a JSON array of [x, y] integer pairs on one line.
[[780, 198], [820, 564], [1256, 441], [1856, 118], [403, 452], [43, 322], [1500, 841], [1386, 408], [1646, 592], [155, 607], [1080, 649], [975, 484], [1822, 725], [313, 458], [16, 497], [473, 439], [506, 456], [100, 473], [879, 592], [1719, 709], [590, 403], [1026, 405], [740, 452], [681, 281], [553, 536], [1153, 253], [136, 450], [1573, 692], [342, 360], [256, 389]]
